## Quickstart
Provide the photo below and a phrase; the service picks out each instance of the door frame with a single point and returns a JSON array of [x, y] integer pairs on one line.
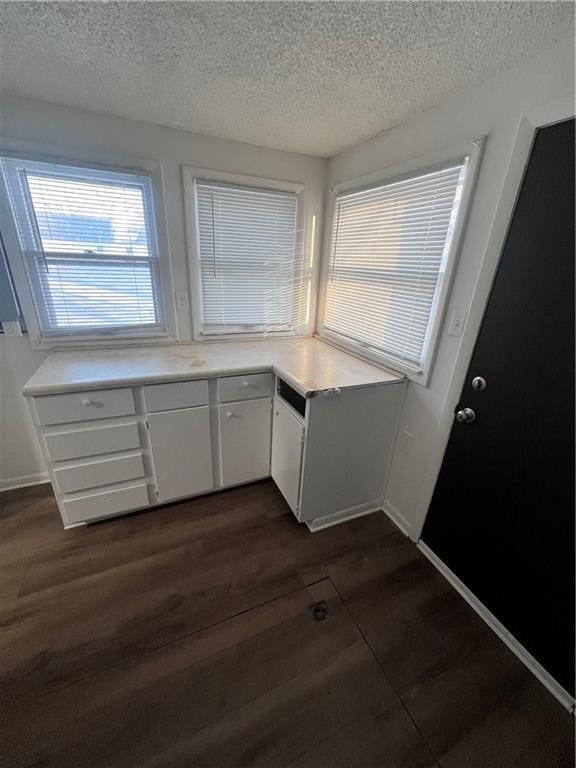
[[528, 124]]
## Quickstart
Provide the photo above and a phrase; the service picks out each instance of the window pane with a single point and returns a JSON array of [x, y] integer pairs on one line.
[[94, 294], [89, 217], [251, 265], [389, 246], [88, 244]]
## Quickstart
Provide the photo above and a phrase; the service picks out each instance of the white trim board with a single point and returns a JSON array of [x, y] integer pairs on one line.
[[398, 519], [319, 523], [496, 626], [11, 483]]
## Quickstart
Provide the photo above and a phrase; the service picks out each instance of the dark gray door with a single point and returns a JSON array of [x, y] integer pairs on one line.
[[502, 515]]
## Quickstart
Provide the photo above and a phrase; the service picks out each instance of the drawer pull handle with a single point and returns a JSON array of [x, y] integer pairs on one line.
[[245, 384], [230, 414], [95, 403]]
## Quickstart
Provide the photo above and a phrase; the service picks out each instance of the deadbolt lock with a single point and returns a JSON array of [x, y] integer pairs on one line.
[[479, 383]]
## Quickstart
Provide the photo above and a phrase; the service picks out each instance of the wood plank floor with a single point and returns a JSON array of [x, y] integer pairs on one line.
[[183, 636]]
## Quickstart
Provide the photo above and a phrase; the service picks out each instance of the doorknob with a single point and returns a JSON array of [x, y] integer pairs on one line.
[[465, 416]]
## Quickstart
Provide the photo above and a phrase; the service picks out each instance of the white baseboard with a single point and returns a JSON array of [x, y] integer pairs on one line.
[[319, 523], [397, 518], [496, 626], [11, 483]]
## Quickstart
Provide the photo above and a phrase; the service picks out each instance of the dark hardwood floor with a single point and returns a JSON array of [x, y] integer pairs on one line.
[[183, 636]]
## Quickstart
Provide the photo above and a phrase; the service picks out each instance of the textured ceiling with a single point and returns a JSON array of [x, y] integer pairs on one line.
[[314, 77]]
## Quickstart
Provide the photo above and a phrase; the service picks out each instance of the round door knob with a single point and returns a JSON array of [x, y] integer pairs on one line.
[[229, 414], [245, 384], [86, 403], [465, 416]]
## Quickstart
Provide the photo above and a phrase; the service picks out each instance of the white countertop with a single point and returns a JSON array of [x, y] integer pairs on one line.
[[307, 364]]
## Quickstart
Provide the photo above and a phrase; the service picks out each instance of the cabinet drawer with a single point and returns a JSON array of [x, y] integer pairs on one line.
[[254, 385], [103, 472], [180, 394], [92, 442], [106, 503], [84, 406]]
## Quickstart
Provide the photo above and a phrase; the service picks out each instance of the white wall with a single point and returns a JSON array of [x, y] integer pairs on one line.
[[21, 460], [493, 110], [79, 135]]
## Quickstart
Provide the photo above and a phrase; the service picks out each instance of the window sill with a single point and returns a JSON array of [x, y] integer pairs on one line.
[[418, 376], [61, 343], [254, 336]]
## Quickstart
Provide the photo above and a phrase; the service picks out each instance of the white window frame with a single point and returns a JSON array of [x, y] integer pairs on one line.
[[137, 166], [471, 150], [189, 175]]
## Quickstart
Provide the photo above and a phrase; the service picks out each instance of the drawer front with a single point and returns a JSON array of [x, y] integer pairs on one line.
[[106, 503], [180, 394], [104, 472], [92, 442], [84, 406], [254, 385]]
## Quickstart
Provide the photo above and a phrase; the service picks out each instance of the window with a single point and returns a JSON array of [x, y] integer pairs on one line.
[[250, 260], [89, 246], [389, 252]]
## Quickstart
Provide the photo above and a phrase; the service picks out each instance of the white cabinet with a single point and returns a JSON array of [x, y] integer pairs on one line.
[[330, 452], [181, 452], [287, 446], [245, 429], [349, 438], [111, 451]]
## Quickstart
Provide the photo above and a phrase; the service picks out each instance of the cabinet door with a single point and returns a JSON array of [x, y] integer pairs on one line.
[[181, 451], [245, 440], [287, 444]]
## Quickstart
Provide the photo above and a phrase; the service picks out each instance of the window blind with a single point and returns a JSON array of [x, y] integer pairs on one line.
[[252, 274], [388, 253], [89, 247]]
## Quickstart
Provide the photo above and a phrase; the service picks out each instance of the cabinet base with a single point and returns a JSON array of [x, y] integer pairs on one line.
[[344, 515], [157, 504]]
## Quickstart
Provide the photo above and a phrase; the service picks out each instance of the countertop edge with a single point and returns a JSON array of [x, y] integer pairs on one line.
[[138, 381]]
